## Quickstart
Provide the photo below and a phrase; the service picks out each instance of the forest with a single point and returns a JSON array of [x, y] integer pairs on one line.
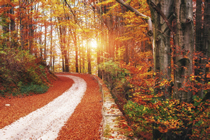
[[154, 56]]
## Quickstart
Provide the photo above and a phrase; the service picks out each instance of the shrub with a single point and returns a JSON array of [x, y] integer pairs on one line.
[[33, 88], [19, 73], [146, 110]]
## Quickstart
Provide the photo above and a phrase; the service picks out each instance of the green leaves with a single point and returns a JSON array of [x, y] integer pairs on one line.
[[199, 123], [134, 110], [33, 88]]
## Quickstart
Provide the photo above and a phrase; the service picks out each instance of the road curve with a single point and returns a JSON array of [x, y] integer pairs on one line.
[[46, 122]]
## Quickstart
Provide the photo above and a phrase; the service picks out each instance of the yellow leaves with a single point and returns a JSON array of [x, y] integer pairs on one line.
[[114, 6], [189, 109], [8, 20], [164, 82], [106, 2], [124, 38]]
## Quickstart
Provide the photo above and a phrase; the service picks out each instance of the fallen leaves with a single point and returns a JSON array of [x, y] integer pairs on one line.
[[83, 124], [21, 106], [85, 121]]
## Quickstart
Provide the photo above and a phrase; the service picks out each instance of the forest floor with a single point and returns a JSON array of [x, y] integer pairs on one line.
[[83, 123]]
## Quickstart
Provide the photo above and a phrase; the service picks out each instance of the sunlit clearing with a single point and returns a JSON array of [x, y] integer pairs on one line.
[[93, 44]]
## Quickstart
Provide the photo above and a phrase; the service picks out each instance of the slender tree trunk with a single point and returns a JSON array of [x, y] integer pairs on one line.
[[12, 26], [21, 25], [51, 39], [40, 43], [53, 64], [45, 42], [5, 26], [63, 64], [126, 53], [76, 51], [66, 61], [65, 51], [80, 58], [89, 57], [31, 30]]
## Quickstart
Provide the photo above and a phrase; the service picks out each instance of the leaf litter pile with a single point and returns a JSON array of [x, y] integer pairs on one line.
[[84, 122]]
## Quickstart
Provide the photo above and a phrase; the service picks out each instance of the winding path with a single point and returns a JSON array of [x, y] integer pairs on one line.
[[46, 122]]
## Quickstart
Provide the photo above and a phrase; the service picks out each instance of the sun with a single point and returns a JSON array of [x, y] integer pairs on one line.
[[93, 43]]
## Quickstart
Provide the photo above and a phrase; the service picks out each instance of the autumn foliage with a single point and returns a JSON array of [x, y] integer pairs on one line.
[[21, 73], [141, 92], [159, 80], [133, 90]]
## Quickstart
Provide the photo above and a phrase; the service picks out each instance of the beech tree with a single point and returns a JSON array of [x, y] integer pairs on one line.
[[172, 19], [162, 15]]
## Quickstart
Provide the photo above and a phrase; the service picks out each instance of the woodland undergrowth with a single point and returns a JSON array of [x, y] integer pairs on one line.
[[22, 73], [148, 112]]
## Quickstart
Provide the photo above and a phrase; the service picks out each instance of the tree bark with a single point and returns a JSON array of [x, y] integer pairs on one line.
[[76, 51], [207, 37], [184, 44]]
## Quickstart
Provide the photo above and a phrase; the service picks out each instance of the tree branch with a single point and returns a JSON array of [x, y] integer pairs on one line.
[[161, 13], [132, 9], [71, 11], [147, 18], [75, 18]]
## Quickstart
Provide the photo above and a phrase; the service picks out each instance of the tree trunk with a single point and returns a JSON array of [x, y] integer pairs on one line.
[[76, 51], [40, 43], [45, 42], [51, 42], [89, 57], [184, 49], [199, 46], [5, 26], [207, 37], [21, 25], [66, 60], [198, 25], [31, 31], [12, 27]]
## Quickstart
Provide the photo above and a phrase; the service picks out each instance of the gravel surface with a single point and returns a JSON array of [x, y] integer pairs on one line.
[[46, 122]]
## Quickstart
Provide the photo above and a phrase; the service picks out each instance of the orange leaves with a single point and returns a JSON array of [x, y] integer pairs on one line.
[[168, 115], [83, 124], [21, 106], [85, 121]]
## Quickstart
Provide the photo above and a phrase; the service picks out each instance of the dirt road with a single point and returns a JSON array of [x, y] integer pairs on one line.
[[75, 114]]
